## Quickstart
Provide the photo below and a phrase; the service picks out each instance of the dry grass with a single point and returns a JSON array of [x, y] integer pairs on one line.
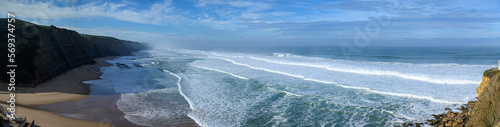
[[487, 110]]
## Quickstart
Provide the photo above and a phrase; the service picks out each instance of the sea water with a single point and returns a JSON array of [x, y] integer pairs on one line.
[[294, 86]]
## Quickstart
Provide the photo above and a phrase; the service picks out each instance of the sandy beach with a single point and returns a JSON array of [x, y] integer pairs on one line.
[[59, 93]]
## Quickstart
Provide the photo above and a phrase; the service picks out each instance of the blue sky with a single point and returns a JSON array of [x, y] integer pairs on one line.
[[358, 23]]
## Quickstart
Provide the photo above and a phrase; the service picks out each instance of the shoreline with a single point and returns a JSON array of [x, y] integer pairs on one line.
[[35, 103], [97, 108]]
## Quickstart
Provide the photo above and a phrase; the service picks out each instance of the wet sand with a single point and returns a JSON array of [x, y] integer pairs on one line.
[[65, 101], [35, 103]]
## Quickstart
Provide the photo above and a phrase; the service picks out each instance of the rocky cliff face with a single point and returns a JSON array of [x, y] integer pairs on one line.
[[108, 46], [483, 84], [487, 75], [59, 51], [44, 52], [486, 112]]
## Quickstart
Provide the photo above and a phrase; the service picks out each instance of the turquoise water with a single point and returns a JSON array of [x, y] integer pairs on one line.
[[294, 86]]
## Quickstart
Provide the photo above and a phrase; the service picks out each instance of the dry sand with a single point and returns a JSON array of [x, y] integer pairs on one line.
[[48, 119], [99, 108], [64, 88]]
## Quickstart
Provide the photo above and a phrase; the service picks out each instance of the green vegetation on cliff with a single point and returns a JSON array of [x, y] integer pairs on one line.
[[43, 52], [486, 112], [490, 73]]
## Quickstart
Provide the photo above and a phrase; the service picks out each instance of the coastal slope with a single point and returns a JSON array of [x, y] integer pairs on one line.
[[44, 52], [486, 112], [56, 60]]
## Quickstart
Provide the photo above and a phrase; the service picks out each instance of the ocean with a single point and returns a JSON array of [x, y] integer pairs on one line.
[[294, 86]]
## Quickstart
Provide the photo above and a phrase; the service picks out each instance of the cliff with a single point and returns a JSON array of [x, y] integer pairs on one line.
[[486, 112], [108, 46], [487, 75], [44, 52]]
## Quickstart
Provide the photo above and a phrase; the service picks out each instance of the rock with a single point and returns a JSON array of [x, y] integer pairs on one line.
[[447, 109], [137, 65], [436, 116], [452, 119], [450, 115], [122, 66], [448, 125], [435, 122], [412, 124], [462, 108], [471, 104], [418, 124], [485, 82]]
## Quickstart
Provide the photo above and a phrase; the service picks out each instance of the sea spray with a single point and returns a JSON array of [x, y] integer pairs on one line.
[[245, 89]]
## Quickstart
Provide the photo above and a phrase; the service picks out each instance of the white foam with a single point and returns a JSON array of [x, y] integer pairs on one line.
[[286, 92], [127, 104], [388, 63], [237, 76], [285, 55], [190, 102], [212, 100], [374, 72], [344, 86], [217, 54]]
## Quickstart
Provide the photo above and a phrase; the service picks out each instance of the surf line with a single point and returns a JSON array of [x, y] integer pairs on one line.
[[199, 122], [344, 86], [206, 68], [237, 76], [373, 72]]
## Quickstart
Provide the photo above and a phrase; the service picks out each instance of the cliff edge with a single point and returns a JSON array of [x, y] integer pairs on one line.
[[44, 52], [486, 112]]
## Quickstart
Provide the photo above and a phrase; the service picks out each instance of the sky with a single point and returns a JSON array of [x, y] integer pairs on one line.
[[352, 23]]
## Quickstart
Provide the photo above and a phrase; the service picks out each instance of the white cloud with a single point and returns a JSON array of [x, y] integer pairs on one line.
[[247, 18], [251, 15], [253, 6], [159, 13], [120, 33], [246, 9], [166, 39], [202, 3], [281, 13]]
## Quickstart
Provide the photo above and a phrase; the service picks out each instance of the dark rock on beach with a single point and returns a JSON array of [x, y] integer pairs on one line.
[[447, 119], [453, 119], [411, 124], [122, 66]]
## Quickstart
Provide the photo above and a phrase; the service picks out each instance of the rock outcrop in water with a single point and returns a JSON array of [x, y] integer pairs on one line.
[[44, 52]]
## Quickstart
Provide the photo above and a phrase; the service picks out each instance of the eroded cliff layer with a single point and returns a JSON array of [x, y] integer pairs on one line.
[[43, 52], [486, 112], [487, 75]]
